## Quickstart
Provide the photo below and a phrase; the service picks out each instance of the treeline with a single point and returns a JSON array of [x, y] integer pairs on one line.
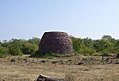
[[86, 46], [104, 46], [18, 47]]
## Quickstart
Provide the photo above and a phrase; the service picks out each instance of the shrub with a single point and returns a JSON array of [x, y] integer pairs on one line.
[[3, 52], [105, 52], [15, 50], [88, 51], [28, 48]]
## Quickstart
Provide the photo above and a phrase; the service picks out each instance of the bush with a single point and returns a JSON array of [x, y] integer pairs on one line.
[[108, 51], [87, 51], [117, 53], [3, 52], [15, 50], [105, 52], [28, 48]]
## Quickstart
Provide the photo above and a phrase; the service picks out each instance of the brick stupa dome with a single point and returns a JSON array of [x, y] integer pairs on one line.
[[55, 42]]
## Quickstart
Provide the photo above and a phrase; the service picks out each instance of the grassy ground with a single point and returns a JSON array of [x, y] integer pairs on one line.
[[28, 69]]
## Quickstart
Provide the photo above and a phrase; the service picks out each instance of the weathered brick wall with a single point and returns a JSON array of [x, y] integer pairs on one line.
[[56, 42]]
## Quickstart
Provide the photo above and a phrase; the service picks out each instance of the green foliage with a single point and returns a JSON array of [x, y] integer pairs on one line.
[[83, 46], [117, 53], [88, 42], [104, 46], [14, 49], [97, 45], [105, 52], [100, 45], [87, 51], [3, 52], [28, 48], [116, 47], [34, 40], [77, 44], [107, 37], [18, 47]]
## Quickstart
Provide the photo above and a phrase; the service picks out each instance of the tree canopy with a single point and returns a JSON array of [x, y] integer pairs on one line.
[[85, 46]]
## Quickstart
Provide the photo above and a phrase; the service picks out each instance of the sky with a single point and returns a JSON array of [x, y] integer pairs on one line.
[[24, 19]]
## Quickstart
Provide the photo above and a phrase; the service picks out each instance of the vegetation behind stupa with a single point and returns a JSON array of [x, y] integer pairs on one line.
[[85, 46]]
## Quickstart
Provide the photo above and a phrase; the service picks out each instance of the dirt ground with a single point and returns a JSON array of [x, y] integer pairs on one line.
[[28, 69]]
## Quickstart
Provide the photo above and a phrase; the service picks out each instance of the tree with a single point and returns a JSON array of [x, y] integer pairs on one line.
[[104, 46], [88, 51], [77, 44], [14, 49], [34, 40], [3, 51], [28, 48], [83, 46], [107, 37], [88, 42]]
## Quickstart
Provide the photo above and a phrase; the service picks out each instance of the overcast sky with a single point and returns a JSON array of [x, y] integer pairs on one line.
[[25, 19]]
